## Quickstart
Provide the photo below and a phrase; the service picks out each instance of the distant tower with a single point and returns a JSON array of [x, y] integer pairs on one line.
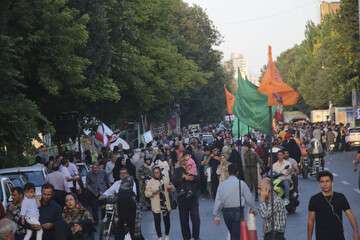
[[327, 8], [237, 61]]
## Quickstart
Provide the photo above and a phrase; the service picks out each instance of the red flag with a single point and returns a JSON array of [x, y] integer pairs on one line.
[[271, 84], [230, 100], [104, 134]]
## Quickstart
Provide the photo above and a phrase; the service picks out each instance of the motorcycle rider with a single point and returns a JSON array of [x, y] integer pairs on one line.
[[125, 189], [294, 169], [316, 151], [283, 167]]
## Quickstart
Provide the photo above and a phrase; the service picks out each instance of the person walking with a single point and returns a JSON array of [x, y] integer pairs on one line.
[[214, 162], [252, 161], [356, 163], [51, 221], [109, 167], [157, 189], [330, 139], [222, 170], [58, 181], [125, 190], [325, 211], [188, 204], [13, 212], [227, 201], [78, 219], [267, 213], [96, 183]]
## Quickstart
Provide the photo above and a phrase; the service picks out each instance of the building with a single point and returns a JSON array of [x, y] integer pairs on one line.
[[327, 8], [237, 61]]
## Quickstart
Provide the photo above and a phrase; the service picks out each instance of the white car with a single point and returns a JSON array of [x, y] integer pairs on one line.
[[6, 187], [35, 174], [353, 139]]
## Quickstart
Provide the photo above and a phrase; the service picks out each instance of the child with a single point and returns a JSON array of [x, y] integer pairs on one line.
[[190, 166], [29, 211], [191, 170]]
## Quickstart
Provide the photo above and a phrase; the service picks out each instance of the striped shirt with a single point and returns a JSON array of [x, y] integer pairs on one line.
[[279, 214]]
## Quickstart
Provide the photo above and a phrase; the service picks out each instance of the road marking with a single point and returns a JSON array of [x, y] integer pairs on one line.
[[327, 169], [345, 182], [335, 174], [357, 190]]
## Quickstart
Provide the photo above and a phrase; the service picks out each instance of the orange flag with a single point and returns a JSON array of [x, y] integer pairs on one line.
[[271, 84], [230, 100]]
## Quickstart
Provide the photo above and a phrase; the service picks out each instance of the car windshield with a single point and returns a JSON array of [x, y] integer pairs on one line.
[[208, 139], [82, 170], [16, 180], [35, 177]]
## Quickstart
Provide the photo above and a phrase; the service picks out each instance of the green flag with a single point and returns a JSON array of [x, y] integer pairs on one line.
[[251, 106], [244, 129]]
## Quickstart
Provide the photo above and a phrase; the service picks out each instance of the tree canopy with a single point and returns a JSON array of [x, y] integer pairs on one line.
[[326, 65], [111, 59]]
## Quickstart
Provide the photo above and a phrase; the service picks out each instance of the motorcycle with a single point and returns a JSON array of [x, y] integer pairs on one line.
[[316, 157], [304, 167], [280, 191], [107, 223]]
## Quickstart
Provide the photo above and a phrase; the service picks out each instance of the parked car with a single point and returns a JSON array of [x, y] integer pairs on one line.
[[207, 139], [6, 187], [83, 171], [353, 140], [35, 174]]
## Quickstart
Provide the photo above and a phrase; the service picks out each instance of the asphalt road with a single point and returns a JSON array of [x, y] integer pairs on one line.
[[345, 182]]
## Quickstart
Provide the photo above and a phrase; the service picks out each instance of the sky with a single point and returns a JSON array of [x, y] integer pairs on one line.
[[248, 27]]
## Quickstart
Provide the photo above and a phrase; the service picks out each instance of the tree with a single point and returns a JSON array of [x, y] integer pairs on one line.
[[325, 66]]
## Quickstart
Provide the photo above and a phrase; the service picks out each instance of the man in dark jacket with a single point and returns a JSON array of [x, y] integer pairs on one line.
[[188, 204]]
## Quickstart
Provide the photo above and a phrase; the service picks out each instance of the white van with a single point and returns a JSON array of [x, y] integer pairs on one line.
[[35, 174]]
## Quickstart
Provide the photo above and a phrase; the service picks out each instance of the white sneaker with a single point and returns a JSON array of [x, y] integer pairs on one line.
[[166, 237]]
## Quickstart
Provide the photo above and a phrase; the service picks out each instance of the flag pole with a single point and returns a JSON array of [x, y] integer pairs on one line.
[[238, 123], [271, 176]]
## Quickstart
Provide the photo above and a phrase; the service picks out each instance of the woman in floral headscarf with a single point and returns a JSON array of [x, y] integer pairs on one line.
[[78, 218]]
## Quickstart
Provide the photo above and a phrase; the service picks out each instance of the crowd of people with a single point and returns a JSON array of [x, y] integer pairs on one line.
[[171, 173]]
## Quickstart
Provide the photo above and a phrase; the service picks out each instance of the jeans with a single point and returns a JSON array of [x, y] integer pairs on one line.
[[94, 206], [190, 207], [277, 236], [157, 221], [126, 218], [232, 218], [286, 184]]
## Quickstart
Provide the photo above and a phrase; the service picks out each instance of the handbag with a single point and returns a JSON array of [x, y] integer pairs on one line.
[[173, 202]]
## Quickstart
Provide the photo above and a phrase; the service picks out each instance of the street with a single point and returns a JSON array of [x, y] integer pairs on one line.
[[345, 182]]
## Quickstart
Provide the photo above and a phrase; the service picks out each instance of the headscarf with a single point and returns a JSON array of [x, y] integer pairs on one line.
[[76, 214]]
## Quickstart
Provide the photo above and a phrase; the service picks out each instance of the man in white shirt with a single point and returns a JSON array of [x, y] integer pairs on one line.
[[110, 167], [284, 167], [65, 171], [74, 173], [125, 189], [114, 189]]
